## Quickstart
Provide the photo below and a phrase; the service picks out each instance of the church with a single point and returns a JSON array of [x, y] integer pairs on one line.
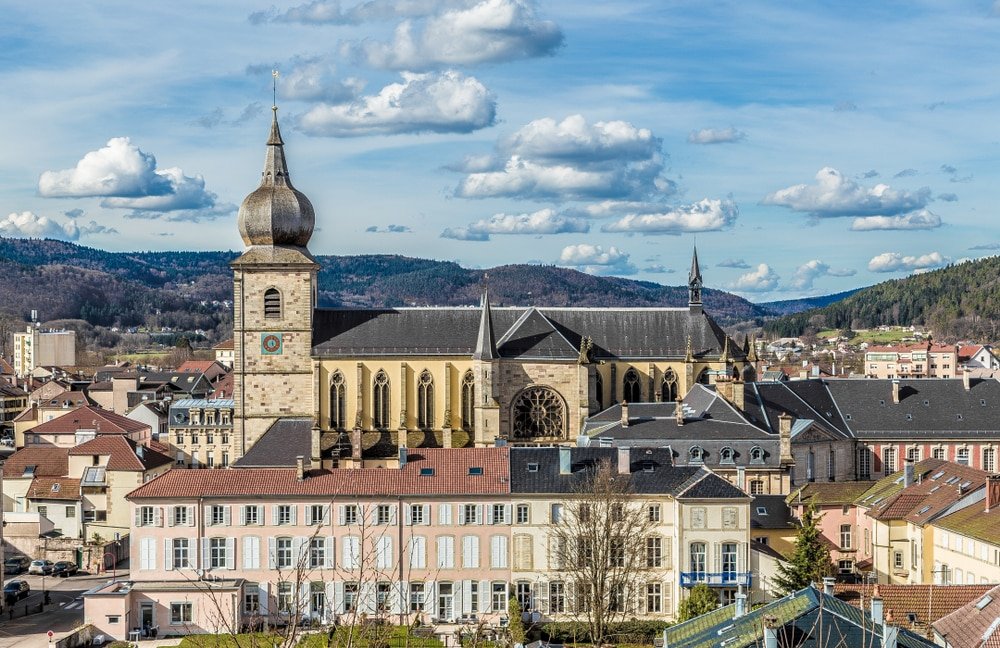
[[340, 385]]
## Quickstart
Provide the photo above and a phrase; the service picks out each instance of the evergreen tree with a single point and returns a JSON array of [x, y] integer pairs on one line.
[[701, 600], [516, 625], [810, 561]]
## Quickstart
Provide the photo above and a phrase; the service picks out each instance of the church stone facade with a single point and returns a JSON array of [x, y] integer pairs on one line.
[[440, 377]]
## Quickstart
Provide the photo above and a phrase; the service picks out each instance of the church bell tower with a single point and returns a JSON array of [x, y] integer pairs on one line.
[[274, 283]]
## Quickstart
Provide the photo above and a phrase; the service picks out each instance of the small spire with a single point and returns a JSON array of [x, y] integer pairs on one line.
[[689, 356], [486, 346], [752, 351], [695, 268], [694, 284], [724, 358]]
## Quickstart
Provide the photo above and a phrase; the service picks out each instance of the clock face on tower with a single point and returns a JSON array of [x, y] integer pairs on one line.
[[271, 343]]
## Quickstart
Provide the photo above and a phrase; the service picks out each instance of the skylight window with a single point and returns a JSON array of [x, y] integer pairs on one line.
[[965, 485], [426, 472], [952, 480], [983, 602], [56, 487], [923, 510], [935, 488], [475, 470], [532, 467], [937, 475], [761, 510], [29, 471]]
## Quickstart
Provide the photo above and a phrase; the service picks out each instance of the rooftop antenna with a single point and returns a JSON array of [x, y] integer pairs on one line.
[[274, 90]]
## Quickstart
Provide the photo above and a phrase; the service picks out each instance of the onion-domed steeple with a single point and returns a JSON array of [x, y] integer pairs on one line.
[[276, 213]]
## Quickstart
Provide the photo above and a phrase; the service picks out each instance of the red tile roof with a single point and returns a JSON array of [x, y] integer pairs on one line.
[[196, 366], [90, 418], [920, 600], [937, 489], [971, 626], [46, 488], [966, 351], [48, 462], [450, 477], [224, 386], [122, 453], [226, 345], [65, 398]]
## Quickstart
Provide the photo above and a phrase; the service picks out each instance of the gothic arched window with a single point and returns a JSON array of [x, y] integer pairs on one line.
[[599, 390], [668, 388], [631, 389], [425, 400], [338, 401], [468, 401], [380, 400], [703, 377], [538, 412], [272, 303]]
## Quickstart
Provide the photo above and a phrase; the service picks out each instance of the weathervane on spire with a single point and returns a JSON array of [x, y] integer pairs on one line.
[[274, 90]]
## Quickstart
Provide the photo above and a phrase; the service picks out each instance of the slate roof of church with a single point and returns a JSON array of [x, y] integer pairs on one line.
[[554, 334], [281, 445]]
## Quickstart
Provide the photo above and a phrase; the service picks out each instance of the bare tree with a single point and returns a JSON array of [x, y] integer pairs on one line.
[[600, 543]]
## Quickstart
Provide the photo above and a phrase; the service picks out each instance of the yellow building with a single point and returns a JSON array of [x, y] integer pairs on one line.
[[449, 377]]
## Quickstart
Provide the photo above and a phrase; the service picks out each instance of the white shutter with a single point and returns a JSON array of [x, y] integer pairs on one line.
[[479, 514], [326, 514], [137, 516], [262, 592], [261, 520], [170, 516], [227, 515], [542, 600], [489, 514], [342, 515], [456, 600], [470, 552], [274, 515], [272, 553], [243, 516], [190, 516], [251, 552], [498, 552], [418, 552], [331, 597], [427, 514], [206, 558], [717, 557], [144, 554], [295, 514], [230, 553], [444, 514], [168, 554], [506, 513], [485, 596], [467, 598], [392, 514], [338, 597], [300, 545], [158, 516], [383, 553], [309, 515], [409, 515], [400, 596], [430, 598], [207, 515]]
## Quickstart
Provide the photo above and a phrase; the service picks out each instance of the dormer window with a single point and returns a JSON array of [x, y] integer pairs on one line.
[[272, 304], [756, 455], [697, 455], [727, 456]]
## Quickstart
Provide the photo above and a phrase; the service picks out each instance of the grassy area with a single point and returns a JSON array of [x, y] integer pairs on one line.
[[257, 640], [363, 638], [873, 336]]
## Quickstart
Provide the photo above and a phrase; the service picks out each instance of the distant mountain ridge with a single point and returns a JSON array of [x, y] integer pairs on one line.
[[68, 281], [958, 301], [790, 306]]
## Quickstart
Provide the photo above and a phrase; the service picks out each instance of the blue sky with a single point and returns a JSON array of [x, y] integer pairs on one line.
[[807, 148]]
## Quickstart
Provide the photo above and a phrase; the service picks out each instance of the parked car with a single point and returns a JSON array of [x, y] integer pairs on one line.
[[64, 568], [14, 566], [41, 567], [16, 590]]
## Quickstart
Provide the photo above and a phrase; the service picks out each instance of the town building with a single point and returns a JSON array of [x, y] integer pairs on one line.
[[200, 433], [224, 353], [974, 625], [837, 519], [43, 409], [13, 401], [84, 424], [967, 540], [977, 356], [36, 348], [924, 360]]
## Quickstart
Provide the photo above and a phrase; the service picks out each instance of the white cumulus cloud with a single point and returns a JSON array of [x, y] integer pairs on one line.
[[716, 136], [762, 279], [835, 195], [706, 215], [543, 221], [126, 177], [29, 225], [330, 12], [315, 79], [807, 273], [571, 160], [920, 219], [594, 259], [487, 32], [896, 262], [448, 102]]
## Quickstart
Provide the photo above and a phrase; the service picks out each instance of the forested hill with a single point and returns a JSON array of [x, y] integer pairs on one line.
[[789, 306], [68, 281], [959, 301]]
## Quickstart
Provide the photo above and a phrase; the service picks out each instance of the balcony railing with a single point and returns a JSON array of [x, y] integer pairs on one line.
[[716, 579]]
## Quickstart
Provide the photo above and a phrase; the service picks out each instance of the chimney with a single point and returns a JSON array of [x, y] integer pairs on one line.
[[770, 632], [907, 472], [582, 441], [624, 414], [741, 477], [624, 461], [300, 467], [785, 438], [565, 460], [877, 609], [402, 456], [356, 446], [741, 605], [679, 411], [828, 582], [446, 437], [967, 379], [890, 636], [992, 492], [895, 392]]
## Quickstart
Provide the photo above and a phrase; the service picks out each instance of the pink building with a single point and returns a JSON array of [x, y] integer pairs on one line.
[[428, 540], [924, 360]]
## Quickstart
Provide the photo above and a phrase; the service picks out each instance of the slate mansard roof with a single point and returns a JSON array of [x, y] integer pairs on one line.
[[537, 471], [525, 333]]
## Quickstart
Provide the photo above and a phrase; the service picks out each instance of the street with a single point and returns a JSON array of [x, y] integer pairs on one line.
[[63, 615]]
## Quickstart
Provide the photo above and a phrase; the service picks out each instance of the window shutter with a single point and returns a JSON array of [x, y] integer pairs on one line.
[[717, 557], [171, 515], [430, 598], [207, 518], [168, 554], [479, 514], [392, 515], [326, 514], [467, 598], [206, 558], [227, 514], [342, 515], [190, 516], [542, 603], [274, 515], [485, 596], [330, 612], [262, 592], [506, 513], [338, 597], [427, 514], [248, 552], [309, 515], [301, 548], [230, 553], [295, 514], [668, 553], [137, 516], [409, 515], [272, 553], [489, 515], [400, 597], [243, 516], [329, 561], [444, 514]]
